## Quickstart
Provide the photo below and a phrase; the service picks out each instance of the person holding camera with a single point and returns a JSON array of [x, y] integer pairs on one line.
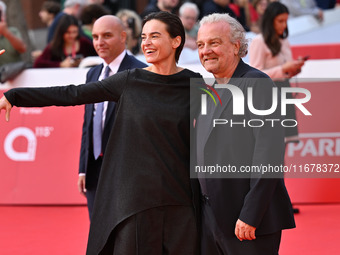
[[67, 47], [10, 39]]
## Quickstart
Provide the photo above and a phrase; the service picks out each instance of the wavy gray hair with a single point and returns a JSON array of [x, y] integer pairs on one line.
[[237, 32]]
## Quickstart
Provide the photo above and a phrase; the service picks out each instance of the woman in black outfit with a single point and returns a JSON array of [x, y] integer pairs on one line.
[[144, 202]]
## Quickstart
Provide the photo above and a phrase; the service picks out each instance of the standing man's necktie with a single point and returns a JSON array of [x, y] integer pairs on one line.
[[97, 124]]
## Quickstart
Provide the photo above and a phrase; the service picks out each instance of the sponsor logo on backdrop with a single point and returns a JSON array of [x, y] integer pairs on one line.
[[315, 145], [31, 136]]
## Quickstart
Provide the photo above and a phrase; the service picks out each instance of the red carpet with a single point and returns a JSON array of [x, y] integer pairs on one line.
[[317, 231], [63, 230], [43, 230]]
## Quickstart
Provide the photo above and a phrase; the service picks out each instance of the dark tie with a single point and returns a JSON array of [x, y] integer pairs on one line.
[[97, 123]]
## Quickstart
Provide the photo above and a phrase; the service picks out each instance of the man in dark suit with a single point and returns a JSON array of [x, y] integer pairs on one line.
[[109, 40], [242, 213]]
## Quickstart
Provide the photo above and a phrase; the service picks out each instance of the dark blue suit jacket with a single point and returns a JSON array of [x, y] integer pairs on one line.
[[260, 202], [86, 151]]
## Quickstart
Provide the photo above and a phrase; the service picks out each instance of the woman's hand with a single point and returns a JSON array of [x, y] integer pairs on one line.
[[5, 105], [292, 68]]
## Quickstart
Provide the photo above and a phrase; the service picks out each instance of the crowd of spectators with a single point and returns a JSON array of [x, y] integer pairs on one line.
[[248, 12]]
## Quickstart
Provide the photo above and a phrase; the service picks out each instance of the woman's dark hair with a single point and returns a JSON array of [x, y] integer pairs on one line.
[[57, 43], [174, 27], [271, 39]]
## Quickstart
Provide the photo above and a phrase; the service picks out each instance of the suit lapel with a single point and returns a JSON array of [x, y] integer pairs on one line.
[[94, 76], [124, 65], [226, 97], [217, 112], [240, 70], [97, 72], [109, 111]]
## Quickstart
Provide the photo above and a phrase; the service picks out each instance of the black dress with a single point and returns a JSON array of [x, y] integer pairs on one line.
[[146, 164]]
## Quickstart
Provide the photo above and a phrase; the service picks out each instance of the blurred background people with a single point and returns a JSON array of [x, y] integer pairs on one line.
[[237, 9], [10, 40], [326, 4], [95, 1], [49, 10], [160, 5], [71, 7], [270, 52], [217, 6], [67, 48], [256, 12], [189, 13], [241, 8], [133, 27], [303, 7], [89, 14]]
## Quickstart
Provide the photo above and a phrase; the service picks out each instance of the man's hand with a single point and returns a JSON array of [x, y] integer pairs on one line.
[[5, 105], [81, 185], [243, 231]]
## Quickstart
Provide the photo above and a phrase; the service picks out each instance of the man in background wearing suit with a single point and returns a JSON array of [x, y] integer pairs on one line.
[[109, 40], [239, 215]]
